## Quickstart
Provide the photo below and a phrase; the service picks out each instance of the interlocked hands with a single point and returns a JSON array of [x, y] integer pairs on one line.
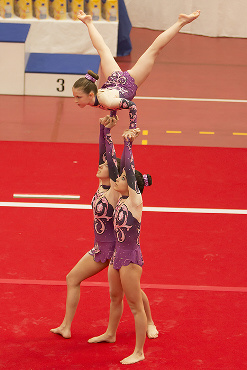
[[109, 121], [129, 134]]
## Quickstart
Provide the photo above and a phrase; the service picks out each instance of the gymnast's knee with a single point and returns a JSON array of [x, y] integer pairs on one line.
[[71, 280], [116, 297]]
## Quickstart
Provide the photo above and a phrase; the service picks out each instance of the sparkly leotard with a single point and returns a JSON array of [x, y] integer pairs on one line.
[[104, 242], [127, 230], [105, 236], [125, 84]]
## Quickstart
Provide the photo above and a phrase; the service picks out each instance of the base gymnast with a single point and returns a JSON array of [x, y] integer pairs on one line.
[[125, 269], [98, 258], [120, 87]]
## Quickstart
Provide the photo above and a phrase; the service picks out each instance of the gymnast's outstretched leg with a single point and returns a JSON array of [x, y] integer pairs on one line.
[[144, 65], [84, 269], [108, 63]]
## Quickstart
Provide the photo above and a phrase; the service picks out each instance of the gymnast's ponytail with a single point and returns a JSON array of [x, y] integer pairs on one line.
[[143, 180]]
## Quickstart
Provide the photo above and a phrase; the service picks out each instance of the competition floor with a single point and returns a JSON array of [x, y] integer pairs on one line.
[[193, 229]]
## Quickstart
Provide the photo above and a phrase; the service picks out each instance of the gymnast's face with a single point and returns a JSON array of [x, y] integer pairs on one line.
[[121, 184], [103, 171], [82, 99]]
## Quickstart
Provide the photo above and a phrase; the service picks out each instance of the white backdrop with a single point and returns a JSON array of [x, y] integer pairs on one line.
[[218, 17], [65, 37]]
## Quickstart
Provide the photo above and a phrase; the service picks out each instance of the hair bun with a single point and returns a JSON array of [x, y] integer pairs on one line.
[[94, 75], [147, 180]]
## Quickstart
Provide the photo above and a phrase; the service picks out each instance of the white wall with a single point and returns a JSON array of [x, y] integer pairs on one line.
[[218, 17]]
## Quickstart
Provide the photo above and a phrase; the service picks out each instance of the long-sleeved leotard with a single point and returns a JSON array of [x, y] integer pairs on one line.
[[125, 84], [110, 155], [102, 154], [105, 237], [104, 242], [127, 228], [127, 162]]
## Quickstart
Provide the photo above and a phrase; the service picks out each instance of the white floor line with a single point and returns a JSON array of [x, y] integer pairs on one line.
[[190, 99], [46, 196], [145, 286], [45, 205], [147, 209], [195, 210]]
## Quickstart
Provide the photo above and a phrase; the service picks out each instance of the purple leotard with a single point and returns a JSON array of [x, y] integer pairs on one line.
[[104, 242], [127, 230], [123, 82]]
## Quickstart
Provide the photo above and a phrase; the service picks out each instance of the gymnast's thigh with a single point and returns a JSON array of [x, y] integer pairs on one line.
[[86, 268]]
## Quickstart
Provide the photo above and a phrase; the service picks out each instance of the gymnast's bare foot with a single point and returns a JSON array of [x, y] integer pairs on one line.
[[103, 338], [152, 331], [85, 18], [62, 330], [184, 18], [132, 359]]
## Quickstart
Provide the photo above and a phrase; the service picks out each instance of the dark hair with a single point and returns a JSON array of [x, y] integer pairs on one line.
[[140, 180], [86, 85], [119, 165], [138, 175]]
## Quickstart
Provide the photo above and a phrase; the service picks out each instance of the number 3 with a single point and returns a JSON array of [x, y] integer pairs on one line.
[[61, 87]]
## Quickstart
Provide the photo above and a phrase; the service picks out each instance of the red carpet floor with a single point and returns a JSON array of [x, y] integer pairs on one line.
[[182, 176], [200, 328]]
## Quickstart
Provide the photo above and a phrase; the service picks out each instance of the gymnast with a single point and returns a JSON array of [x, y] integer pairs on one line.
[[125, 268], [98, 258], [120, 88]]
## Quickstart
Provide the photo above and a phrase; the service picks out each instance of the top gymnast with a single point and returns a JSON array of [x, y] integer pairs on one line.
[[120, 87]]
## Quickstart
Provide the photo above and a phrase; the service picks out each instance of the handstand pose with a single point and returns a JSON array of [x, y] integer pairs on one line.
[[98, 258], [125, 268], [120, 87]]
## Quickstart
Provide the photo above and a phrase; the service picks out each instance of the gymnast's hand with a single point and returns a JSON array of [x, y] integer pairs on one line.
[[108, 121], [112, 122], [85, 18], [131, 134], [104, 121]]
